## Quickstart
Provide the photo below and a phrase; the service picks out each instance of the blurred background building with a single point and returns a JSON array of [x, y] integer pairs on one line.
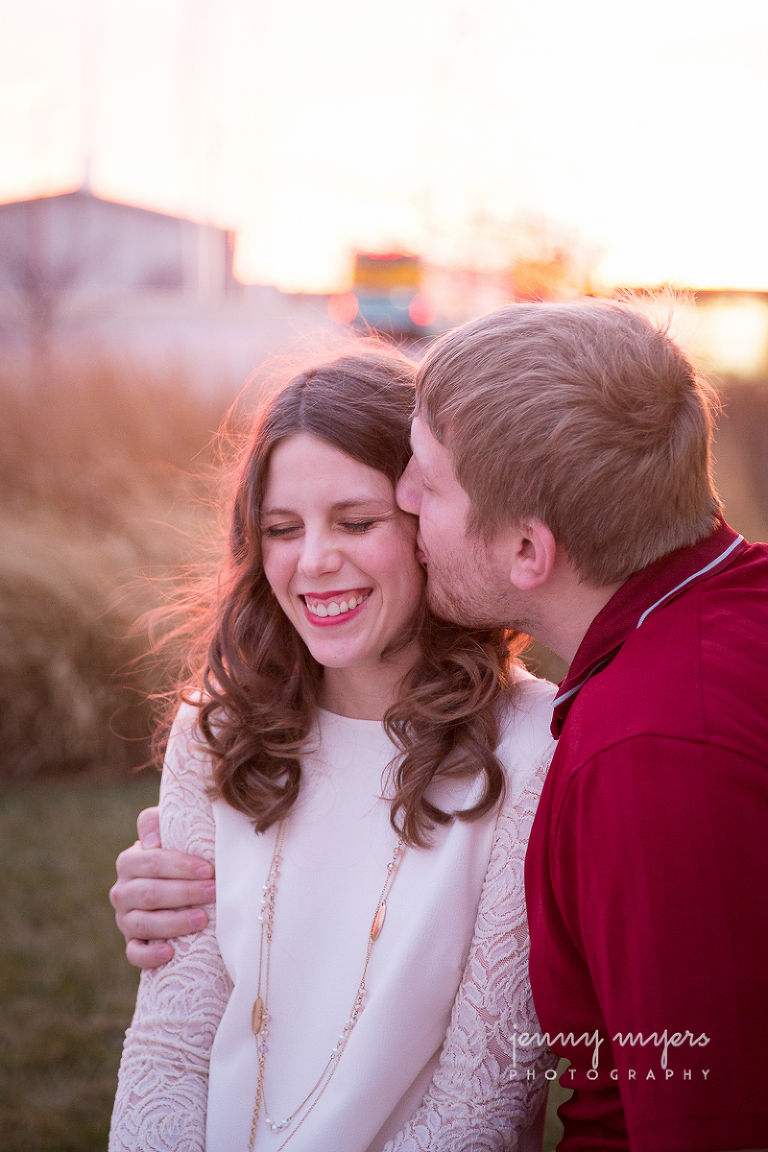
[[82, 276], [77, 242]]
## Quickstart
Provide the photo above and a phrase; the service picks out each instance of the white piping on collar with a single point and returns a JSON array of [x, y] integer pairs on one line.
[[577, 687], [712, 564], [599, 667], [567, 695]]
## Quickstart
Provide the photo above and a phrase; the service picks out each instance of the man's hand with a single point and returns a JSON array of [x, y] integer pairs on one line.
[[156, 894]]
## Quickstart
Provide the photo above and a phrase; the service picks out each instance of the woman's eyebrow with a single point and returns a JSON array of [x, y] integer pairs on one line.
[[339, 506], [277, 512], [362, 502]]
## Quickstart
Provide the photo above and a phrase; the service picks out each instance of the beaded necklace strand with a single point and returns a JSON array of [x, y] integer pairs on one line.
[[260, 1017]]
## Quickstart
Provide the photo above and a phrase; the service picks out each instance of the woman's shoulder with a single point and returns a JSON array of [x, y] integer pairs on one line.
[[186, 749], [526, 743], [530, 701], [186, 816]]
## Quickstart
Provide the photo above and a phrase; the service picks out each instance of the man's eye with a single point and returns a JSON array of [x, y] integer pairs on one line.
[[358, 526]]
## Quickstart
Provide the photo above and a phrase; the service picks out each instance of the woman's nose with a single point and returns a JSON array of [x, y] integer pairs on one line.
[[319, 554]]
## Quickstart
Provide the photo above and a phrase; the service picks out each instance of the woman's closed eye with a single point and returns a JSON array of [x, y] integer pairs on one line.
[[283, 531]]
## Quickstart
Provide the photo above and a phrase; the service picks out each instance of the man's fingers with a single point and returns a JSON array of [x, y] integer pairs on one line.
[[162, 863], [139, 925], [148, 827], [149, 895], [148, 953]]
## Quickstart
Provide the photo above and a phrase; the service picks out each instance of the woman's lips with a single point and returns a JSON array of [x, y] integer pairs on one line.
[[328, 608]]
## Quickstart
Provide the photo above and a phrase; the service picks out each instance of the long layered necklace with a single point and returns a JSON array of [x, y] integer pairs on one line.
[[260, 1017]]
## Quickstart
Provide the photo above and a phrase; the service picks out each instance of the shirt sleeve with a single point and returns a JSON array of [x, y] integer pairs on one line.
[[660, 858], [163, 1080], [489, 1089]]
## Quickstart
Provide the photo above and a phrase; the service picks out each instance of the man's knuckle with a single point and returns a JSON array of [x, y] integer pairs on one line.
[[130, 864]]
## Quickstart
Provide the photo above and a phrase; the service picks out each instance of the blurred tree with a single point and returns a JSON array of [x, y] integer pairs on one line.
[[38, 274]]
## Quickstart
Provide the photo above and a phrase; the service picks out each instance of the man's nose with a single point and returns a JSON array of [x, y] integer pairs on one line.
[[408, 491]]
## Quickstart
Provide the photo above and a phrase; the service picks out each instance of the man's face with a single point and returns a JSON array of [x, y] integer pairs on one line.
[[466, 580]]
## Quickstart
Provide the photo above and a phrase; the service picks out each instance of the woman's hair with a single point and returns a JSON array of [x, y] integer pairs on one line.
[[255, 682]]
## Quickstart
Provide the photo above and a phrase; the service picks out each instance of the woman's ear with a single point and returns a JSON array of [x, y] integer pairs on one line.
[[532, 555]]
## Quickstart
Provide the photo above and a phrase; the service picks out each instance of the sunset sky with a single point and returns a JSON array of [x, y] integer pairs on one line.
[[636, 132]]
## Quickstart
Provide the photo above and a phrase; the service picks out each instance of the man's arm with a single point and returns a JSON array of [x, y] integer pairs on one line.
[[158, 894]]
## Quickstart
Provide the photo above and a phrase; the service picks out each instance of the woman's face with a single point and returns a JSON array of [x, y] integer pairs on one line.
[[339, 554]]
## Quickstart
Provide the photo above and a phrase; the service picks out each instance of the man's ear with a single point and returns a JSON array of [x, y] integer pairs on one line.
[[532, 555]]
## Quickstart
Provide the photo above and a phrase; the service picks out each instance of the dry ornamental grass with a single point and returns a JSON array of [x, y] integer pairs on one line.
[[96, 478]]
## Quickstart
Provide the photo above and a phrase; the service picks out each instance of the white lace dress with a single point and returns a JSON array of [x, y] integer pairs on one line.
[[433, 1062]]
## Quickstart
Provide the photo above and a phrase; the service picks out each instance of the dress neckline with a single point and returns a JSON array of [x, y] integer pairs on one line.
[[328, 717]]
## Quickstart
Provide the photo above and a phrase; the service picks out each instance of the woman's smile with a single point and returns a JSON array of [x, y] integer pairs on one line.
[[324, 608]]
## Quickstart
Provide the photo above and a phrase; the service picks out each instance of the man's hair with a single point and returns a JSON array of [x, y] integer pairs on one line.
[[585, 416]]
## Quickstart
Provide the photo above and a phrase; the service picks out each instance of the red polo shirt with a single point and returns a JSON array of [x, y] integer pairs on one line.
[[647, 870]]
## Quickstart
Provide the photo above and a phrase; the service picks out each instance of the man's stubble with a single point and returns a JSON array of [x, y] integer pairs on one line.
[[465, 589]]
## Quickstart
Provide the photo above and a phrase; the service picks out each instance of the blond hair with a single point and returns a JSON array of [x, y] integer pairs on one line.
[[585, 416]]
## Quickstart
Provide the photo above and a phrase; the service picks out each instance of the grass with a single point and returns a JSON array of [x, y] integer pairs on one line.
[[558, 1094], [67, 989]]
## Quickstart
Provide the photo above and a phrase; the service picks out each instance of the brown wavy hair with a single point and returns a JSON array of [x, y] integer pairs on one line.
[[257, 688]]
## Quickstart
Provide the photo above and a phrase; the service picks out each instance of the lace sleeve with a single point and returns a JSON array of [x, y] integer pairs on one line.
[[488, 1090], [163, 1082]]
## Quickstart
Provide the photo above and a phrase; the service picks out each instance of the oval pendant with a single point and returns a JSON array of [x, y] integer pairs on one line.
[[257, 1015], [378, 920]]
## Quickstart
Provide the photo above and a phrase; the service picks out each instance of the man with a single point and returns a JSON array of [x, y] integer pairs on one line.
[[561, 474]]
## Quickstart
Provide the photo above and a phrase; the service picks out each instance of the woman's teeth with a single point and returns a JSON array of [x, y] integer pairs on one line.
[[334, 607]]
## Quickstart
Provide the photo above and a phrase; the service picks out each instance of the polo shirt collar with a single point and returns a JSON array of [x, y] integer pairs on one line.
[[630, 606]]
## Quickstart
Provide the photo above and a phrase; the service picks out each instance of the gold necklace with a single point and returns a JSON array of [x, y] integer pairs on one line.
[[260, 1018]]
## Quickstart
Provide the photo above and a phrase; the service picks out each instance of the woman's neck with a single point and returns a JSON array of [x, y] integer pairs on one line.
[[366, 693]]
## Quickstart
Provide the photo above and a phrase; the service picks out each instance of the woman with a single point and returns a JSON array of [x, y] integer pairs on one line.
[[379, 904]]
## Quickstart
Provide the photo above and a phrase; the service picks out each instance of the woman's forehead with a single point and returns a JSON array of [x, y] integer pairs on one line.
[[308, 467]]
